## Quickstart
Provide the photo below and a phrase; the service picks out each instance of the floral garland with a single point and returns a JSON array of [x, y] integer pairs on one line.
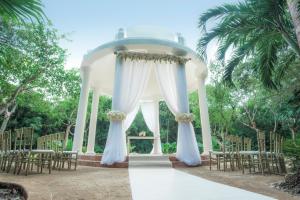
[[151, 57], [116, 116], [184, 117]]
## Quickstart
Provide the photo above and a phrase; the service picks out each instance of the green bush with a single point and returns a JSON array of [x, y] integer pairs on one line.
[[200, 147], [132, 148], [69, 145], [215, 144], [292, 151], [169, 147], [98, 149], [84, 149]]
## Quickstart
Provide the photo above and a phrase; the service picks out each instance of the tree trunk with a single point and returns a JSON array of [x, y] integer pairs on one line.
[[293, 135], [294, 11], [4, 124], [6, 118], [21, 88]]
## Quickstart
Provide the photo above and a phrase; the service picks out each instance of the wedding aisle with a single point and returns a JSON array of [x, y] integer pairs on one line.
[[150, 183]]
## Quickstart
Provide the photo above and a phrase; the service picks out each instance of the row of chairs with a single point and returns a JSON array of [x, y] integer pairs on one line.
[[57, 143], [237, 153], [17, 154]]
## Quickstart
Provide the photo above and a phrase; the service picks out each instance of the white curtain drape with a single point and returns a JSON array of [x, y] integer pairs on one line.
[[131, 78], [130, 117], [172, 82], [150, 111]]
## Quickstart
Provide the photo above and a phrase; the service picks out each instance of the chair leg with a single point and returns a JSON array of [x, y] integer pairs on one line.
[[210, 161], [249, 163], [76, 159], [242, 162], [50, 163], [225, 163], [27, 165]]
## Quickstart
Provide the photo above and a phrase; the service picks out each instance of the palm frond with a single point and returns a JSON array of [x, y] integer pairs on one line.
[[217, 12], [254, 29], [22, 10]]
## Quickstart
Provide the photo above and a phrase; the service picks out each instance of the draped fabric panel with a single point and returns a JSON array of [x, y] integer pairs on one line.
[[131, 78], [172, 83], [130, 117], [150, 111]]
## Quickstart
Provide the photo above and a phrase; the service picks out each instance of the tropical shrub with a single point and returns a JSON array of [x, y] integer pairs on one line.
[[169, 147]]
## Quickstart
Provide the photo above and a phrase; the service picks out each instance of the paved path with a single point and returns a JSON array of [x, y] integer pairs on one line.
[[154, 183]]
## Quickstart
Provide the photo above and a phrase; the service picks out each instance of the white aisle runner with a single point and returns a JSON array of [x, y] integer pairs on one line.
[[171, 184]]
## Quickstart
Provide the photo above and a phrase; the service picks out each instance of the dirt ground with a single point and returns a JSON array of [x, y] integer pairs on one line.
[[254, 183], [87, 183]]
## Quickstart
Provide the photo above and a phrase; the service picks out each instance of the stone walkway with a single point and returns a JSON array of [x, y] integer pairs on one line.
[[166, 183]]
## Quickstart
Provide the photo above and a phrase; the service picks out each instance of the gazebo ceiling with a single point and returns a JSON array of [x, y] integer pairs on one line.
[[101, 61]]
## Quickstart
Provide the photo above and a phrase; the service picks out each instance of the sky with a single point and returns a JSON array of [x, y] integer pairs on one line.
[[90, 23]]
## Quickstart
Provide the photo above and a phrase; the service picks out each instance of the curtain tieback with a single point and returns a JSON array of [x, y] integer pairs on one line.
[[116, 116], [184, 117]]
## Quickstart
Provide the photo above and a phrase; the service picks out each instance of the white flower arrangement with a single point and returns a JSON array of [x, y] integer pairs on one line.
[[184, 117], [151, 56], [116, 116]]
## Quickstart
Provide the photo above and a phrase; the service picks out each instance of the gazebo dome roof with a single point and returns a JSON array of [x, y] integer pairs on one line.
[[101, 60]]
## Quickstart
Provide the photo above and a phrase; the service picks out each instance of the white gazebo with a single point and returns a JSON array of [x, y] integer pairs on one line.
[[141, 67]]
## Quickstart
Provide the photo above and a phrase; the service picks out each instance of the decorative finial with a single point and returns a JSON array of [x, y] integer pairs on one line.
[[120, 34], [180, 39]]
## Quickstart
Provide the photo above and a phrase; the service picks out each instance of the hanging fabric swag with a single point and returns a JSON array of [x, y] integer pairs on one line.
[[131, 78], [150, 110], [172, 81]]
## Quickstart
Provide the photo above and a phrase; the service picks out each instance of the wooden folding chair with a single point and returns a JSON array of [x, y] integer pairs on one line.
[[14, 155], [5, 148], [25, 153], [70, 157]]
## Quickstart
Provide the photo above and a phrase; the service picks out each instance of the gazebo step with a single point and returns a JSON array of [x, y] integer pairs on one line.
[[176, 163], [94, 161], [139, 161], [148, 158], [90, 157], [159, 164], [90, 163]]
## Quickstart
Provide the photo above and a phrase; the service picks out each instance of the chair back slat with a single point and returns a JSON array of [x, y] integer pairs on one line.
[[48, 142], [5, 141], [27, 138], [273, 143], [18, 136], [61, 138], [55, 142], [239, 141], [261, 141], [279, 144], [247, 144]]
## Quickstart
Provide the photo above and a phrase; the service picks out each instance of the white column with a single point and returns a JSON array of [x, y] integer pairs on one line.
[[115, 148], [206, 135], [81, 113], [187, 148], [157, 142], [93, 123]]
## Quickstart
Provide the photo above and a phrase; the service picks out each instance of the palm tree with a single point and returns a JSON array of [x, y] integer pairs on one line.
[[21, 10], [257, 30]]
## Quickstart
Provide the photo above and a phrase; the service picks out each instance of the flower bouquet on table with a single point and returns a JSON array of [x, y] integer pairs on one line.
[[142, 134]]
